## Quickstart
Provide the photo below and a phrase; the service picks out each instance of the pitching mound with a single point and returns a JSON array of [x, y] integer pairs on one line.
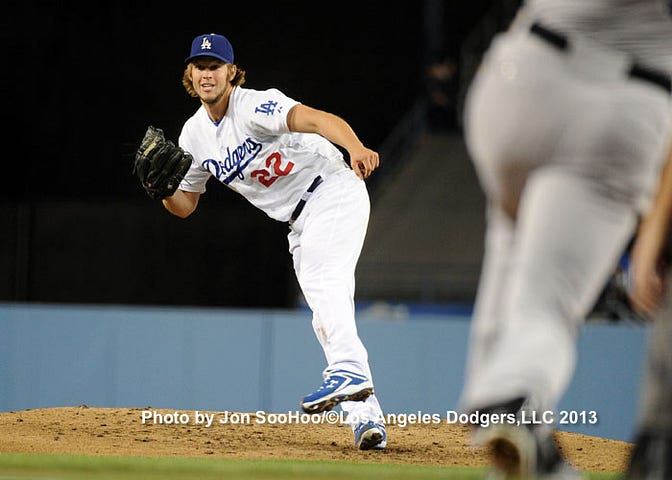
[[121, 432]]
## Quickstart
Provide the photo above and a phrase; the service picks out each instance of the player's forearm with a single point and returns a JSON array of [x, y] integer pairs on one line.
[[337, 131], [332, 127], [659, 217], [665, 193], [647, 289], [309, 120], [181, 204]]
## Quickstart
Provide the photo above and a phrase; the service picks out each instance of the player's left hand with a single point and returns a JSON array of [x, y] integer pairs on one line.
[[364, 161], [160, 165]]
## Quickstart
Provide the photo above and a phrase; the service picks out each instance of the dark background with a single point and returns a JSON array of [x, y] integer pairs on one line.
[[82, 83]]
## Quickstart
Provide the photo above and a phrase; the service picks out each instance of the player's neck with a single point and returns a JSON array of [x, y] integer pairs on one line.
[[217, 109], [216, 112]]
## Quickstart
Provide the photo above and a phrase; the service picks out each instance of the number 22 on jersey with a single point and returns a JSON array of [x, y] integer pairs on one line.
[[274, 170]]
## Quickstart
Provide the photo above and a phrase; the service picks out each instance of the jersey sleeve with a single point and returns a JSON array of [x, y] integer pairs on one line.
[[197, 176], [267, 112]]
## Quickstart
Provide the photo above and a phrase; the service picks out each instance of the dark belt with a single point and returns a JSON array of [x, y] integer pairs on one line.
[[304, 198], [561, 42]]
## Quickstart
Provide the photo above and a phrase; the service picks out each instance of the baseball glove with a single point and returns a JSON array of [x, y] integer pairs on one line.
[[160, 165]]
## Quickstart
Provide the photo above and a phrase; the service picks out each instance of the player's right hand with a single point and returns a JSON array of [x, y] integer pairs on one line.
[[364, 161]]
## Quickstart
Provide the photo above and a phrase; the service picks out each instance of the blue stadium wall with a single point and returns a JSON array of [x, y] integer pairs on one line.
[[248, 360]]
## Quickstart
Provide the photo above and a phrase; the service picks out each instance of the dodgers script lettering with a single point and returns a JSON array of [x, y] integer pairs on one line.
[[234, 161]]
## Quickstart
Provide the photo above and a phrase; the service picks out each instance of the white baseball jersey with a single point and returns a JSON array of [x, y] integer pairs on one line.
[[252, 151]]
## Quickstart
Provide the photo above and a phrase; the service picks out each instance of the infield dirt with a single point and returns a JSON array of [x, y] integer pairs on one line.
[[121, 432]]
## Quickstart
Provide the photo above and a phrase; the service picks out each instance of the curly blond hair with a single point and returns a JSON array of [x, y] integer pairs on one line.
[[187, 79]]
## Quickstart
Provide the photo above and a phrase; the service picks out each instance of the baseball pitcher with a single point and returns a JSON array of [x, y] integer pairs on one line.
[[278, 154]]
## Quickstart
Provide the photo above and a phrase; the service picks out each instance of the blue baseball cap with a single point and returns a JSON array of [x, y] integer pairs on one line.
[[211, 45]]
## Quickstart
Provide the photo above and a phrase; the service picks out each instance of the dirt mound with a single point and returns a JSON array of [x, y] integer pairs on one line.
[[121, 431]]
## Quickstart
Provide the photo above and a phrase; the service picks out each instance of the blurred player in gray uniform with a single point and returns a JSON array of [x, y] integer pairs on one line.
[[650, 295], [567, 122]]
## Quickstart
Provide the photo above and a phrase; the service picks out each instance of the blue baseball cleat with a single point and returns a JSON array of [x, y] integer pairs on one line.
[[339, 386], [370, 435]]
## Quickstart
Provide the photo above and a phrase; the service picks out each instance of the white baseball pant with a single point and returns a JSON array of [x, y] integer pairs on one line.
[[325, 242]]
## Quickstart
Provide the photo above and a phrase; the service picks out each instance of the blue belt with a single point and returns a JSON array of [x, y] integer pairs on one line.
[[304, 198]]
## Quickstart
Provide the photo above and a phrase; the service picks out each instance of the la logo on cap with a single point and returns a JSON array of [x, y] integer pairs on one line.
[[206, 44], [211, 45]]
